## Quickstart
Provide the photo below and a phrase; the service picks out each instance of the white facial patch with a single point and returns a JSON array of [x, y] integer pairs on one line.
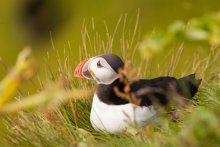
[[103, 72]]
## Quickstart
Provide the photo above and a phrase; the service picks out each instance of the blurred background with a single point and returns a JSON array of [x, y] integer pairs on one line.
[[33, 22]]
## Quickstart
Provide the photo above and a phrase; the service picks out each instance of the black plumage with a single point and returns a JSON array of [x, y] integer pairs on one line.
[[113, 60], [160, 90]]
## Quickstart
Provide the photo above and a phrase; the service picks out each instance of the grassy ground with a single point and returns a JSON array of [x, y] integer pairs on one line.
[[67, 124], [196, 125]]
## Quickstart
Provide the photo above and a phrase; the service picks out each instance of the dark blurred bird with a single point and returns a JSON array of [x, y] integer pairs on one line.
[[40, 17], [112, 113]]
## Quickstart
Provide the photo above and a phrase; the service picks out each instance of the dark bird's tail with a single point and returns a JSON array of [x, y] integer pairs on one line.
[[188, 85]]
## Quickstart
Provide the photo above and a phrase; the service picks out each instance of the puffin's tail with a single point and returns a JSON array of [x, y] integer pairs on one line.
[[189, 85]]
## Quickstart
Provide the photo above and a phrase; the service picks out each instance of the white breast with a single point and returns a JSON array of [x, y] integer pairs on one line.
[[116, 118]]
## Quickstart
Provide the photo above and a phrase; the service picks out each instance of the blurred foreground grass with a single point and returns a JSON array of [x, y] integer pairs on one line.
[[24, 70], [59, 114]]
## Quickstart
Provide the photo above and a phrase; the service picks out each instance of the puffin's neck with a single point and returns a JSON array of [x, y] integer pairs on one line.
[[107, 94]]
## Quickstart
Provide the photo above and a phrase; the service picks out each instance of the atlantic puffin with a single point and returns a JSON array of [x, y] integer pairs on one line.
[[111, 113]]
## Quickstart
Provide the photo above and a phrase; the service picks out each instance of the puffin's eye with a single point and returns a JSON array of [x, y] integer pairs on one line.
[[99, 65]]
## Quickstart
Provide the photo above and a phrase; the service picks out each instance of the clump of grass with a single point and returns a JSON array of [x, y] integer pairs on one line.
[[67, 125]]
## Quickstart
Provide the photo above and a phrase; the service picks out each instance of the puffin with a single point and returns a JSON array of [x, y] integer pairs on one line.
[[112, 113]]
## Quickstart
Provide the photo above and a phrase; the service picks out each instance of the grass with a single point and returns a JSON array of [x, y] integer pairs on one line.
[[67, 123]]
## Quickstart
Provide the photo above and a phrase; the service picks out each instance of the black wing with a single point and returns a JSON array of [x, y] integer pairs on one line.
[[161, 90]]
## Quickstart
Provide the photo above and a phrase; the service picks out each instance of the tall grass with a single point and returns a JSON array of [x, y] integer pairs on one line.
[[66, 123]]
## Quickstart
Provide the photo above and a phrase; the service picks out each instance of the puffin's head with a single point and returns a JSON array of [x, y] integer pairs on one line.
[[102, 68]]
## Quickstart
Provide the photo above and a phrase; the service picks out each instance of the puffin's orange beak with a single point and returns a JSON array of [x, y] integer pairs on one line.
[[82, 70]]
